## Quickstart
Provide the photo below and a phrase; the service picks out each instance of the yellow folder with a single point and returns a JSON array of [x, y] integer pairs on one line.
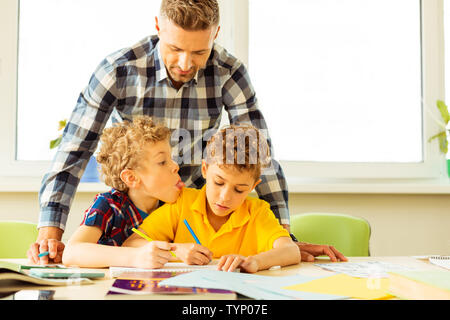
[[344, 285]]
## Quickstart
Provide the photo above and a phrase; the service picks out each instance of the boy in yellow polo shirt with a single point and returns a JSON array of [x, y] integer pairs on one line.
[[242, 231]]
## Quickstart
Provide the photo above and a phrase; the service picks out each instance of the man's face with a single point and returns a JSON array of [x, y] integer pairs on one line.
[[184, 52]]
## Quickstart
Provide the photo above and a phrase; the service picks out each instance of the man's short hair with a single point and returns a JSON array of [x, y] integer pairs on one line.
[[191, 14]]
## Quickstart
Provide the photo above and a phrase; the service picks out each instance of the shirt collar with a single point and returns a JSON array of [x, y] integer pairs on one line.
[[161, 71], [237, 219]]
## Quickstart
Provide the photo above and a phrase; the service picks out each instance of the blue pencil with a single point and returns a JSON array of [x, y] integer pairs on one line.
[[40, 255], [191, 231]]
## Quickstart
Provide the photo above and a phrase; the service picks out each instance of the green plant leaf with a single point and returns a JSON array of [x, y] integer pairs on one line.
[[443, 143], [436, 135], [56, 142], [444, 111], [62, 124]]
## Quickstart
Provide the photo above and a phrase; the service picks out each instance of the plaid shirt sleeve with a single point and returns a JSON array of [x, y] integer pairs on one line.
[[98, 214], [242, 107], [80, 138]]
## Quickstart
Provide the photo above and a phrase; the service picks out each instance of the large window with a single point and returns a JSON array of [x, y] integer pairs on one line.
[[345, 85], [348, 87], [346, 72], [61, 42]]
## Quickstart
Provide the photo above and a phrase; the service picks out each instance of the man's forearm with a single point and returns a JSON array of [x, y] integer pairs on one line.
[[79, 141], [49, 233]]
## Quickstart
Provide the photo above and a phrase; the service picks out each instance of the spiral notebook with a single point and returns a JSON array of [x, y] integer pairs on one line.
[[441, 261]]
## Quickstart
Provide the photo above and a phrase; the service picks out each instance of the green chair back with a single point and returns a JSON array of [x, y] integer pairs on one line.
[[349, 235], [16, 238]]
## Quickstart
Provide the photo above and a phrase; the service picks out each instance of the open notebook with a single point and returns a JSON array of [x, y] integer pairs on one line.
[[168, 267], [441, 261]]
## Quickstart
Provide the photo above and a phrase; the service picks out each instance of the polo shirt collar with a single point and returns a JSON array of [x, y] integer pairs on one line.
[[237, 219]]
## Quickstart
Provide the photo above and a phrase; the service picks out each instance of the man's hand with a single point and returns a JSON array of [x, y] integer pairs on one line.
[[49, 239], [309, 251]]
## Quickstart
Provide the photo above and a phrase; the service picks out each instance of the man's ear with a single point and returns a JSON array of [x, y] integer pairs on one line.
[[129, 178], [204, 168], [256, 183]]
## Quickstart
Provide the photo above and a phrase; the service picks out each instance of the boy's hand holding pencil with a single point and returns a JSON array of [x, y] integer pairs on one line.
[[192, 253], [154, 254]]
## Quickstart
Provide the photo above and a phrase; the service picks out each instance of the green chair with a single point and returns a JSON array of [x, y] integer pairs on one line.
[[16, 238], [349, 235]]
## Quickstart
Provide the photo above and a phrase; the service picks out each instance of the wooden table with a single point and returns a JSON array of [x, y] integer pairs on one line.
[[98, 290]]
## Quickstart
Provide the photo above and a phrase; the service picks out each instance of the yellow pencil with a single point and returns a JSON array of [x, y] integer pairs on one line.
[[147, 238]]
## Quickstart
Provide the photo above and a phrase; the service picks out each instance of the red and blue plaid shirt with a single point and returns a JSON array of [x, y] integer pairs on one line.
[[115, 214]]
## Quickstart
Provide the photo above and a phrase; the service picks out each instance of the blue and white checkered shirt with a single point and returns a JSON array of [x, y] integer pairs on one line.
[[133, 81]]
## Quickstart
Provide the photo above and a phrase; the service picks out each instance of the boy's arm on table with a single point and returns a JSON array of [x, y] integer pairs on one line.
[[135, 240], [285, 252], [84, 251]]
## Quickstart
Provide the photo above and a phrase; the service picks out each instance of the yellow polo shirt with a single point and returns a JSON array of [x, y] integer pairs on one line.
[[251, 229]]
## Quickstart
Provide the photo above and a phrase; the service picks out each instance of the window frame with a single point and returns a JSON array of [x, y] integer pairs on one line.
[[9, 166], [234, 37]]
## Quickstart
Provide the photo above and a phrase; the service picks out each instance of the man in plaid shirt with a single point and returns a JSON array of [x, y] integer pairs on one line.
[[182, 79]]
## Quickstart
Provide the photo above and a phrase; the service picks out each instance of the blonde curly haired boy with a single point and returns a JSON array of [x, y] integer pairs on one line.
[[135, 159]]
